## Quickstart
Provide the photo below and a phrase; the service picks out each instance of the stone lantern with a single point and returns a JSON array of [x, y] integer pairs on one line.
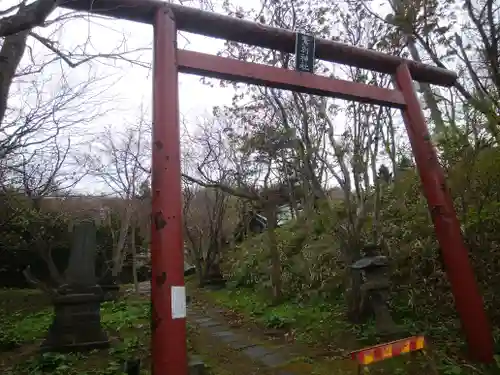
[[375, 287]]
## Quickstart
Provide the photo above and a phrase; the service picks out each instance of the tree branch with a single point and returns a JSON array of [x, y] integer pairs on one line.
[[27, 17], [226, 189]]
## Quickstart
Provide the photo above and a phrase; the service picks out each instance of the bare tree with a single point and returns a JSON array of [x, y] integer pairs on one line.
[[118, 160], [207, 228], [31, 56], [211, 163], [244, 167], [33, 157], [45, 172]]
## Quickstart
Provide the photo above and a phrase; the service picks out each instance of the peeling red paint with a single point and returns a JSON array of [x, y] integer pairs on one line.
[[160, 280], [159, 221]]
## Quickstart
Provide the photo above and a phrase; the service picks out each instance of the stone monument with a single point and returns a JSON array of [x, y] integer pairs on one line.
[[76, 324]]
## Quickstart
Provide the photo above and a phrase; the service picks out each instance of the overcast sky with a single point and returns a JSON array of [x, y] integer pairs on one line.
[[132, 85], [195, 98]]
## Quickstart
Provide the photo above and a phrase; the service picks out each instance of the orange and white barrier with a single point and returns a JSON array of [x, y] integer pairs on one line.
[[381, 352]]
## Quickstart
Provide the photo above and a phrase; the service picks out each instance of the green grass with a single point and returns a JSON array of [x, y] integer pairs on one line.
[[26, 316], [323, 323], [124, 315], [311, 321]]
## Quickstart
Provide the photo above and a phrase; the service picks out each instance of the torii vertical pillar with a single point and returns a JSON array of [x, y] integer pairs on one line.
[[455, 255], [168, 309]]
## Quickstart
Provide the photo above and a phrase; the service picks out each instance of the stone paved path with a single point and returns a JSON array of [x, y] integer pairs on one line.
[[212, 322]]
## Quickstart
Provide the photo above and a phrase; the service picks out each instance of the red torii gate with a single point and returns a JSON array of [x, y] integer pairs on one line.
[[168, 315]]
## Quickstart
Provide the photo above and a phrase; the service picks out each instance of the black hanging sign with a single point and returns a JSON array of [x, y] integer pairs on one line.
[[304, 53]]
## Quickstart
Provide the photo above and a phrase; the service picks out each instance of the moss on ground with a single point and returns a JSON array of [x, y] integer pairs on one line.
[[328, 338]]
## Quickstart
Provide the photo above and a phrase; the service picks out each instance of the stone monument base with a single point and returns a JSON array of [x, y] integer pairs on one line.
[[76, 325]]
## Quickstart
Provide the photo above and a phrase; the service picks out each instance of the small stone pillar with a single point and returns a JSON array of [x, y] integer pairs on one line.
[[375, 287], [76, 324]]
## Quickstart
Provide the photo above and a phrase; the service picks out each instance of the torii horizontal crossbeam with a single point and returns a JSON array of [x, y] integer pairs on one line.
[[258, 74], [256, 34]]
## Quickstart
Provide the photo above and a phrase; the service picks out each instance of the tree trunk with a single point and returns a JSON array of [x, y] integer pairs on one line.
[[376, 226], [351, 252], [54, 272], [198, 263], [429, 98], [270, 211], [356, 310], [44, 249], [10, 55], [425, 89], [134, 260], [119, 250]]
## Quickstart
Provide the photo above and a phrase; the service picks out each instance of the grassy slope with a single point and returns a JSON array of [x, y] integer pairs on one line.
[[317, 321]]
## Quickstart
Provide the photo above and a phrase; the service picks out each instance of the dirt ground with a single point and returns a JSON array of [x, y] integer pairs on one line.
[[307, 359]]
